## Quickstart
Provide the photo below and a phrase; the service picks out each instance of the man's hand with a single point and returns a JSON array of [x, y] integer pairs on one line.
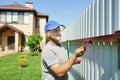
[[80, 51]]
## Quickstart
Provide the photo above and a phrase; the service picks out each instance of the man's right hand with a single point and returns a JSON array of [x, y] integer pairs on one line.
[[80, 51]]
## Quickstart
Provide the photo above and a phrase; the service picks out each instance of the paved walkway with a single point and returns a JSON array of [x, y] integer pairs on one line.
[[3, 53]]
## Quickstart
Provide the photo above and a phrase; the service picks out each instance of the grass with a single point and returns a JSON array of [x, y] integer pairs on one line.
[[10, 68]]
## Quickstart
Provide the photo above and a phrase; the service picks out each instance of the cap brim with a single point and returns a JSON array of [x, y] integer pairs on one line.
[[61, 26]]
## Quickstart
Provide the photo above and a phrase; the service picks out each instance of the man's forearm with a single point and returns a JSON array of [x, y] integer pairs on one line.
[[62, 69]]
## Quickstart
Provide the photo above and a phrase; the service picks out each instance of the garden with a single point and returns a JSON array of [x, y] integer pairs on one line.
[[20, 66]]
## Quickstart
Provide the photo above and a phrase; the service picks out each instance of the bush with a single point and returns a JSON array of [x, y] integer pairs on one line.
[[33, 41]]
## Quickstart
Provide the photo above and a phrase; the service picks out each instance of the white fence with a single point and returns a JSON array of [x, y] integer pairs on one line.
[[100, 18], [100, 62]]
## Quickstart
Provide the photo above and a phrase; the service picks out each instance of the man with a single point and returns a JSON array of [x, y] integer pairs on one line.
[[55, 64]]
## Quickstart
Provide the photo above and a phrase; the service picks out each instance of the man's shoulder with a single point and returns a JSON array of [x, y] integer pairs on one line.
[[47, 46]]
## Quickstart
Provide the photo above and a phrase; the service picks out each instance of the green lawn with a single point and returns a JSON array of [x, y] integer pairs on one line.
[[10, 68]]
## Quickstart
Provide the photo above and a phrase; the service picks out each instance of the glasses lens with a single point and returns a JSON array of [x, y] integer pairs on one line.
[[62, 28]]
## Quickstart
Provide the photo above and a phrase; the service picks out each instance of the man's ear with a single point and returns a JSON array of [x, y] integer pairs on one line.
[[47, 34]]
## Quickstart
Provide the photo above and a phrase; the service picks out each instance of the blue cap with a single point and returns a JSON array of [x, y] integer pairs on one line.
[[51, 25]]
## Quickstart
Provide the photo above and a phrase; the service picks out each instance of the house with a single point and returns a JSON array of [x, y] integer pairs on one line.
[[17, 22]]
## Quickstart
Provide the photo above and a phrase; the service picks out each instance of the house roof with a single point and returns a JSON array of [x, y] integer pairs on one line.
[[19, 7], [15, 6], [6, 27], [41, 14]]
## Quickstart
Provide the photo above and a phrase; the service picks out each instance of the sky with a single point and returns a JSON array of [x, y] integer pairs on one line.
[[62, 11]]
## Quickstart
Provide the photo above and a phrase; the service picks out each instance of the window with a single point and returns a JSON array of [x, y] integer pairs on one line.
[[2, 17], [21, 17], [9, 17], [37, 23], [26, 18], [14, 17]]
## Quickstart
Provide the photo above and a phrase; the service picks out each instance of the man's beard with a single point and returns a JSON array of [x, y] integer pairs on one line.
[[56, 40]]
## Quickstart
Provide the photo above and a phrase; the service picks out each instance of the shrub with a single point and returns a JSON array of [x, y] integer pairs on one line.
[[33, 41]]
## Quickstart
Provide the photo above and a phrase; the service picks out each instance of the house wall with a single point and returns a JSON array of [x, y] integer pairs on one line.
[[29, 29], [40, 30], [26, 28]]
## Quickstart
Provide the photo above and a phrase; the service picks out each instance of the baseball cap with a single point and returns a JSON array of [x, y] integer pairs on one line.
[[52, 25]]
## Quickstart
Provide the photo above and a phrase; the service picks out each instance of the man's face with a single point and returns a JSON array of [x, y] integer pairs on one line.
[[54, 34]]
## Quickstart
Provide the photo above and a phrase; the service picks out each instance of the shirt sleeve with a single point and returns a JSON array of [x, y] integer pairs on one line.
[[51, 58]]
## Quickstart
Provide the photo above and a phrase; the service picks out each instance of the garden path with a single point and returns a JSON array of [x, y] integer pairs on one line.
[[3, 53]]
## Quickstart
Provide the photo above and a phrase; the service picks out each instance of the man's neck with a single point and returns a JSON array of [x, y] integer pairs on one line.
[[55, 43]]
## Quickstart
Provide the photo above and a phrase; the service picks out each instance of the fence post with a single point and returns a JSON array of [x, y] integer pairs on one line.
[[118, 59], [68, 48]]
